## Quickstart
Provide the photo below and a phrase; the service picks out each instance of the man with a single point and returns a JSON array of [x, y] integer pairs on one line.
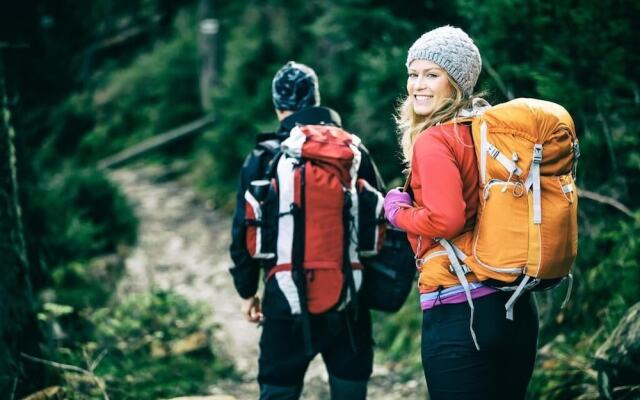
[[342, 334]]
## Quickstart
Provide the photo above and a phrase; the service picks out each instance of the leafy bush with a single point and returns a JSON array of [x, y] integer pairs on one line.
[[77, 287], [140, 317], [564, 370], [135, 351], [156, 92], [80, 214], [131, 330]]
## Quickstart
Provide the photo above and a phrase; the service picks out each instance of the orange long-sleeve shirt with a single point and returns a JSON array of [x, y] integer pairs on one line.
[[444, 180]]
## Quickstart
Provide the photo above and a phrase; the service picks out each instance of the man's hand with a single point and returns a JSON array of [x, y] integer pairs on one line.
[[252, 310]]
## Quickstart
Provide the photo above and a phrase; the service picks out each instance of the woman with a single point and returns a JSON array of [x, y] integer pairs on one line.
[[493, 358]]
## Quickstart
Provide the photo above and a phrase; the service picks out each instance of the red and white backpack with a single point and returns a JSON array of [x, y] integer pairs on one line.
[[312, 218]]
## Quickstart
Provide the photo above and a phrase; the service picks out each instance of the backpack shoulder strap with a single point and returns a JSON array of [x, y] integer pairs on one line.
[[268, 142], [407, 185], [269, 152]]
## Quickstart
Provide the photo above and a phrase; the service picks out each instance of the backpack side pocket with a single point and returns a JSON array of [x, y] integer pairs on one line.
[[390, 274], [261, 217], [371, 223]]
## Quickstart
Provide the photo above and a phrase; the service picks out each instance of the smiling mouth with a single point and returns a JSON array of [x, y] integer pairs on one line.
[[422, 98]]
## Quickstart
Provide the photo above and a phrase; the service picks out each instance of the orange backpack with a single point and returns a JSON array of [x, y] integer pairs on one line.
[[526, 232]]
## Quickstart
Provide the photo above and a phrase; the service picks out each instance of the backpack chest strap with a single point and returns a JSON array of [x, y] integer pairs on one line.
[[508, 164]]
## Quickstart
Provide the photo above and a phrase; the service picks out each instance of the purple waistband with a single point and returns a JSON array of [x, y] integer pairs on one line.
[[453, 295]]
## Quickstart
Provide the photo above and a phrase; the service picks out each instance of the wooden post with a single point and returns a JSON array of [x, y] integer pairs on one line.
[[207, 48]]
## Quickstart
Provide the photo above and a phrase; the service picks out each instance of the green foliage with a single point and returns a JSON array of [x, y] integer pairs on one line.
[[76, 287], [613, 281], [378, 94], [140, 317], [82, 214], [131, 329], [564, 370], [157, 92], [132, 354], [69, 122]]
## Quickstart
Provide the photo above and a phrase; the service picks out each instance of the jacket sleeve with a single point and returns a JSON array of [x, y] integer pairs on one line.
[[369, 171], [443, 213], [245, 270]]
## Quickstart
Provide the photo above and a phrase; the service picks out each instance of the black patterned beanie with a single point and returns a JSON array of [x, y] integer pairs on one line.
[[294, 87]]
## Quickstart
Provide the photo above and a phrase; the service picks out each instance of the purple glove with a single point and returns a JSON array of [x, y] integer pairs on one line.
[[393, 202]]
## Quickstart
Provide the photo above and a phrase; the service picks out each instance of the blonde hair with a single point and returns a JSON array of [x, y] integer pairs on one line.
[[410, 124]]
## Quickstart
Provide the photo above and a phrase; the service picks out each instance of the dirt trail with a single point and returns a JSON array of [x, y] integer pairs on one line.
[[183, 246]]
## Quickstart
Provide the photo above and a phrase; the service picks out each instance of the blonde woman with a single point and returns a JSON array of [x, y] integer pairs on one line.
[[443, 68]]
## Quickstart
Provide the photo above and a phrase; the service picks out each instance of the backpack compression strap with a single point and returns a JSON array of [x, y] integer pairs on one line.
[[533, 181], [452, 253], [350, 294], [297, 264]]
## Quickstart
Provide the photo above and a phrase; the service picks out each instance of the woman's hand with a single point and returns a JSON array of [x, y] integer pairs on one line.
[[393, 202], [252, 310]]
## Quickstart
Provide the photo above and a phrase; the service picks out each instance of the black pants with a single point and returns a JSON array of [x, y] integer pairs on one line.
[[455, 370], [283, 361]]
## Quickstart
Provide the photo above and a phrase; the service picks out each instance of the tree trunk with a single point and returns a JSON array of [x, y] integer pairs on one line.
[[18, 326], [207, 49]]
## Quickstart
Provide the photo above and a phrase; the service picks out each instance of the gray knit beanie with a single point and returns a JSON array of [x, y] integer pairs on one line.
[[453, 50], [294, 87]]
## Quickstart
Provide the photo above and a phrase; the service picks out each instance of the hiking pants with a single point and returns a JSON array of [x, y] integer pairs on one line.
[[455, 370], [283, 360]]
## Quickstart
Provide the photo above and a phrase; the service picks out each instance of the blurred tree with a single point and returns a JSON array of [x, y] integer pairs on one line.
[[19, 332]]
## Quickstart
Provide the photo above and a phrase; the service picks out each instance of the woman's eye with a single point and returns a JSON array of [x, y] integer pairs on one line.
[[413, 75], [432, 76]]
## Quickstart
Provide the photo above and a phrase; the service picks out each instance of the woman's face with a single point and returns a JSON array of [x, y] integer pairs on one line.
[[427, 86]]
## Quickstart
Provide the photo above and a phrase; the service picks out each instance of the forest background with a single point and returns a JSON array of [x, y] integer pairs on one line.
[[80, 81]]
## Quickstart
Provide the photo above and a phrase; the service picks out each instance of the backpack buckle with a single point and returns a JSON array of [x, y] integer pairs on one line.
[[576, 149], [493, 151], [537, 153], [465, 269], [294, 209], [419, 262]]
